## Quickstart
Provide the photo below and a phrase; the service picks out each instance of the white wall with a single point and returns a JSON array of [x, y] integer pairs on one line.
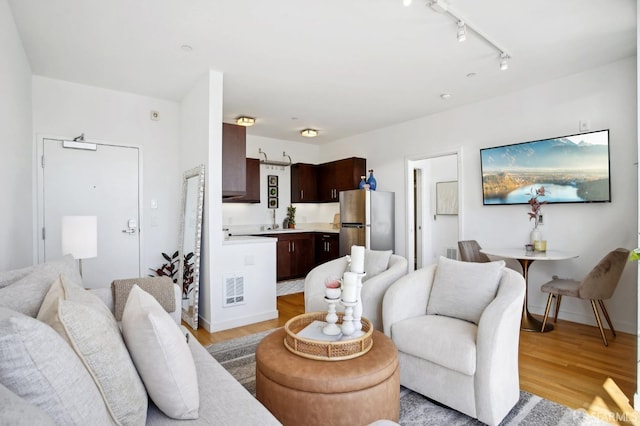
[[444, 228], [16, 187], [63, 109], [606, 97]]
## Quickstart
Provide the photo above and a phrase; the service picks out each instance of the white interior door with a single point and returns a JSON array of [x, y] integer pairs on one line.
[[102, 182]]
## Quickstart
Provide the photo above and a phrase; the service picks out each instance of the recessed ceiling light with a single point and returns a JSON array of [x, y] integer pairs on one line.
[[406, 2], [245, 121], [309, 133], [445, 96], [186, 48]]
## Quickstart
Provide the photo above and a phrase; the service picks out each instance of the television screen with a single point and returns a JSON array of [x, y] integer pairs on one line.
[[572, 169]]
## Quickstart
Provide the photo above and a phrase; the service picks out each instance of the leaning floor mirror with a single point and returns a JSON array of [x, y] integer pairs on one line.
[[190, 238]]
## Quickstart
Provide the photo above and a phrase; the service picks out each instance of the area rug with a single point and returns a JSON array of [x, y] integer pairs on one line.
[[238, 357], [289, 287]]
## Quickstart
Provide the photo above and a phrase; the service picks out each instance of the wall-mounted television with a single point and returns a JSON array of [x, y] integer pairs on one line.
[[572, 169]]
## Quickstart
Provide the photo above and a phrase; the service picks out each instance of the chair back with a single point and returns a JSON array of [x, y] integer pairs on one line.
[[603, 279], [470, 252]]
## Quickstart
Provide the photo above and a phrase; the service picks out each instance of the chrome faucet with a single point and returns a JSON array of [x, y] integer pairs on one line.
[[275, 225]]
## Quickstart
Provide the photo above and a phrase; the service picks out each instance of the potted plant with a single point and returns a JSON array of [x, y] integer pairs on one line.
[[291, 216]]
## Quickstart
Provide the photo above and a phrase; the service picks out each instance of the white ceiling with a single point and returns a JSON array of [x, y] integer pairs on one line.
[[341, 66]]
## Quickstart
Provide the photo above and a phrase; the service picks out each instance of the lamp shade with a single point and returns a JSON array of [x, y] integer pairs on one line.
[[80, 236]]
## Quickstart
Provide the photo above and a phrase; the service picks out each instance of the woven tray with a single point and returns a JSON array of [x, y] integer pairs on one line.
[[326, 350]]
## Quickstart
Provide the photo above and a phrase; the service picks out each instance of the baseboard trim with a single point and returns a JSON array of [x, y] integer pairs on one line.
[[239, 322]]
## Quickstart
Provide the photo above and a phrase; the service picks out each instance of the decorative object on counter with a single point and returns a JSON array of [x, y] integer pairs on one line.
[[272, 191], [291, 216], [535, 213], [528, 248], [372, 181], [336, 221], [357, 259], [285, 223]]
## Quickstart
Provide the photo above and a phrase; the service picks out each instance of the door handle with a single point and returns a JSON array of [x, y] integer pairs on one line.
[[129, 231]]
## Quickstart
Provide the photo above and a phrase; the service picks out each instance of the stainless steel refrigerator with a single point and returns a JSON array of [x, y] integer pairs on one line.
[[367, 219]]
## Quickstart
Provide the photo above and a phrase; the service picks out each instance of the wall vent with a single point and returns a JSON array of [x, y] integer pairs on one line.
[[233, 290], [452, 253]]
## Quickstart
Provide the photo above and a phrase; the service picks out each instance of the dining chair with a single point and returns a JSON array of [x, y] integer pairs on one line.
[[470, 252], [597, 286]]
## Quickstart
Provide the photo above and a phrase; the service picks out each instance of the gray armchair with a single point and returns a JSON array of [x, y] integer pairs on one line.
[[373, 288], [468, 364]]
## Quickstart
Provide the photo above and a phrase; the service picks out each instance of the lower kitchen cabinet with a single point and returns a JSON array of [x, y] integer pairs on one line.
[[327, 247], [295, 255]]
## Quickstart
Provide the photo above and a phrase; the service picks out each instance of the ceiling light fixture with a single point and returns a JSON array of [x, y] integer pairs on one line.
[[406, 2], [462, 31], [245, 121], [504, 64], [443, 7], [309, 133], [445, 96]]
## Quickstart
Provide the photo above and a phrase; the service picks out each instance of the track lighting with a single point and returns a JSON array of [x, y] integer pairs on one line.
[[504, 64], [462, 31]]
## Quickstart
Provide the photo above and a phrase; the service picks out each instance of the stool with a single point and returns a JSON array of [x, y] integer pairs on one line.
[[302, 391]]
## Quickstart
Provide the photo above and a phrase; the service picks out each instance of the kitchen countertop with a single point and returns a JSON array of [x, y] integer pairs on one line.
[[247, 239], [311, 228]]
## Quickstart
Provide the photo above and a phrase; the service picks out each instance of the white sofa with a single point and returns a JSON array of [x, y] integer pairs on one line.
[[456, 326], [382, 267], [222, 399]]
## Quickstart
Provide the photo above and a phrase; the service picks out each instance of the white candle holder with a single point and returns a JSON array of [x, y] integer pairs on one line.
[[331, 329], [348, 328], [357, 310]]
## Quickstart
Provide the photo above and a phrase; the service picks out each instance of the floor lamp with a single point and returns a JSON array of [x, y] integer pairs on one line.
[[80, 237]]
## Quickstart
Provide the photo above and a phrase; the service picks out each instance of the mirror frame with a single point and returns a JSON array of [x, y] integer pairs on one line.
[[190, 315]]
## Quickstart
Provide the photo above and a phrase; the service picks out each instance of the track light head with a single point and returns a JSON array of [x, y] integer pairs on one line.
[[462, 31], [504, 64]]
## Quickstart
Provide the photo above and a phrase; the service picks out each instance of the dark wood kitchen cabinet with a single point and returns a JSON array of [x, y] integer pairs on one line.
[[294, 254], [252, 193], [234, 151], [304, 183], [330, 179], [327, 247]]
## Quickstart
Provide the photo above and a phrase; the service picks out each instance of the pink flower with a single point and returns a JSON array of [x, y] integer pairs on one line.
[[535, 204], [332, 284]]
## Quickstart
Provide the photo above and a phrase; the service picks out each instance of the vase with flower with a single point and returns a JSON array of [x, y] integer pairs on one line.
[[535, 213]]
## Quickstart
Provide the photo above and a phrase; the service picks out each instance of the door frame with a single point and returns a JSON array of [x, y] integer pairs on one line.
[[410, 165], [38, 221]]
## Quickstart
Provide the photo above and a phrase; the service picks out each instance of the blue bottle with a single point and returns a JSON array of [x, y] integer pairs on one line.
[[372, 181], [362, 182]]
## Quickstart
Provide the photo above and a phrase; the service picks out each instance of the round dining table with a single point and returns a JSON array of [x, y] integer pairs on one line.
[[526, 258]]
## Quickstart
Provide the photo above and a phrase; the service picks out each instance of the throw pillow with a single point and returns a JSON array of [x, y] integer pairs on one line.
[[95, 336], [65, 289], [463, 289], [375, 262], [26, 293], [38, 366], [16, 411], [161, 354]]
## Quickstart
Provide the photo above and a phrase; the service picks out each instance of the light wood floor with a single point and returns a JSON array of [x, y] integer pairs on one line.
[[569, 365]]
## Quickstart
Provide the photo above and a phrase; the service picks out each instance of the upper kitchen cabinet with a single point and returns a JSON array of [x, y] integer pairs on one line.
[[252, 194], [340, 175], [234, 169], [304, 188]]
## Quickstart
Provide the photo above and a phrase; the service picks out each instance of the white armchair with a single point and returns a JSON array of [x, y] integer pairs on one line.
[[373, 288], [471, 367]]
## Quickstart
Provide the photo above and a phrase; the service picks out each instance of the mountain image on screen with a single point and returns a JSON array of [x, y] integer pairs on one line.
[[571, 168]]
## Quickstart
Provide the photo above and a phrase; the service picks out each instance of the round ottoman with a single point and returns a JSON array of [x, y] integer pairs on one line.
[[301, 391]]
